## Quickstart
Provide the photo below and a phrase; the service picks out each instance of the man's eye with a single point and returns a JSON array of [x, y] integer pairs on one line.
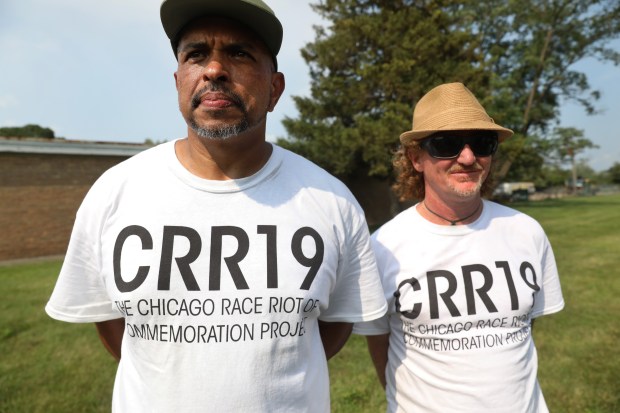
[[196, 54], [239, 53]]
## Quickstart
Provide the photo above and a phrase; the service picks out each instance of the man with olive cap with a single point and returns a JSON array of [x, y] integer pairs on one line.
[[464, 277], [220, 269]]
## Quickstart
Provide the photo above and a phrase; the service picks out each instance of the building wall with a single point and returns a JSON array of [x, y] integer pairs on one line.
[[39, 196]]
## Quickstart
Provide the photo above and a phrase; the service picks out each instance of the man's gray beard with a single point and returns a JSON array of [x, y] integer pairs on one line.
[[469, 192], [220, 133]]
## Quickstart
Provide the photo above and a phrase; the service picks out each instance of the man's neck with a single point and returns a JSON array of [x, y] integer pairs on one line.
[[458, 212], [233, 158]]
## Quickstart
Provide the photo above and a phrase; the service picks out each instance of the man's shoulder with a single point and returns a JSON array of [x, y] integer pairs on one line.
[[154, 157], [396, 225], [501, 210], [307, 171], [145, 166], [300, 161], [511, 217]]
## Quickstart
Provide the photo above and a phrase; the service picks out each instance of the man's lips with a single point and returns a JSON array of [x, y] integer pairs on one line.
[[466, 171], [218, 101]]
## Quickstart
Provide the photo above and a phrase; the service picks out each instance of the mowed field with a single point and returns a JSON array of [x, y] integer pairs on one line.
[[49, 366]]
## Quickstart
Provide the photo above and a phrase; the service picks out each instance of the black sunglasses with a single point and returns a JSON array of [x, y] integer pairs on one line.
[[448, 145]]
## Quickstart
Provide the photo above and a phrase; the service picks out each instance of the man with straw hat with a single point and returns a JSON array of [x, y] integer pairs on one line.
[[222, 270], [464, 277]]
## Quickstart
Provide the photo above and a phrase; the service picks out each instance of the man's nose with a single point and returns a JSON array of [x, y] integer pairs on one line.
[[215, 71], [466, 156]]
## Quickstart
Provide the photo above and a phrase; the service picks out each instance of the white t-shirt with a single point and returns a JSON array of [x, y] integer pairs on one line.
[[221, 283], [460, 304]]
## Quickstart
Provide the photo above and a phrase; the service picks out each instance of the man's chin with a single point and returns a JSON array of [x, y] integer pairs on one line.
[[220, 132], [466, 189]]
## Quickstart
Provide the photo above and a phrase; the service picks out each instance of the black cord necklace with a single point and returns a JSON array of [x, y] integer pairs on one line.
[[452, 222]]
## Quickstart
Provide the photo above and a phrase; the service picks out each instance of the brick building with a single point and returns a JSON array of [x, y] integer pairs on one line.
[[42, 183]]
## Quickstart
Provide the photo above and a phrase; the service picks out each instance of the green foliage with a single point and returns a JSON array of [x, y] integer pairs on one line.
[[614, 173], [540, 160], [28, 131], [551, 176], [376, 59], [528, 154], [566, 143], [564, 146], [585, 171]]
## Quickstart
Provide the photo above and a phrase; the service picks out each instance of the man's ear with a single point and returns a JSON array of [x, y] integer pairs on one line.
[[176, 81], [414, 157], [277, 88]]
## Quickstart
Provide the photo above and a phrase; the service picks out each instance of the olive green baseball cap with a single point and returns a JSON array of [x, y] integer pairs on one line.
[[255, 14]]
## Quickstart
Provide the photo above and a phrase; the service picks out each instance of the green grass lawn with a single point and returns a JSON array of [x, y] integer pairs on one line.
[[50, 366]]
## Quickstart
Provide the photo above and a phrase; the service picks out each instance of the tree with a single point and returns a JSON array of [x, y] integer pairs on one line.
[[614, 173], [367, 70], [28, 131], [545, 40], [528, 165], [378, 57], [565, 145], [551, 176]]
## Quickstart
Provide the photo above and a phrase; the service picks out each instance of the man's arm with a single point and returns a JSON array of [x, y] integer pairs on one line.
[[334, 336], [111, 335], [378, 349]]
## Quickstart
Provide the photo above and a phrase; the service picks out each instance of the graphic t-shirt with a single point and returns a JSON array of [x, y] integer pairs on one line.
[[221, 283], [460, 304]]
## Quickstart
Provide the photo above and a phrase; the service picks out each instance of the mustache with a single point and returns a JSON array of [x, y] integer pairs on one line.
[[473, 168], [217, 87]]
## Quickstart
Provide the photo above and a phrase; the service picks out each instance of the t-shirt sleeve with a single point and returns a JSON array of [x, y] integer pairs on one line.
[[549, 299], [380, 325], [80, 295], [373, 327], [358, 295]]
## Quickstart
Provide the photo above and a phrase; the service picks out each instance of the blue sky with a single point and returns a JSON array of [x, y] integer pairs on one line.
[[103, 70]]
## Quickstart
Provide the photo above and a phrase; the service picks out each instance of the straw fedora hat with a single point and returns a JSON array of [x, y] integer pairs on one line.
[[450, 107]]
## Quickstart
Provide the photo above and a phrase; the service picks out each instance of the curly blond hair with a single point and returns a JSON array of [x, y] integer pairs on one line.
[[409, 184]]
